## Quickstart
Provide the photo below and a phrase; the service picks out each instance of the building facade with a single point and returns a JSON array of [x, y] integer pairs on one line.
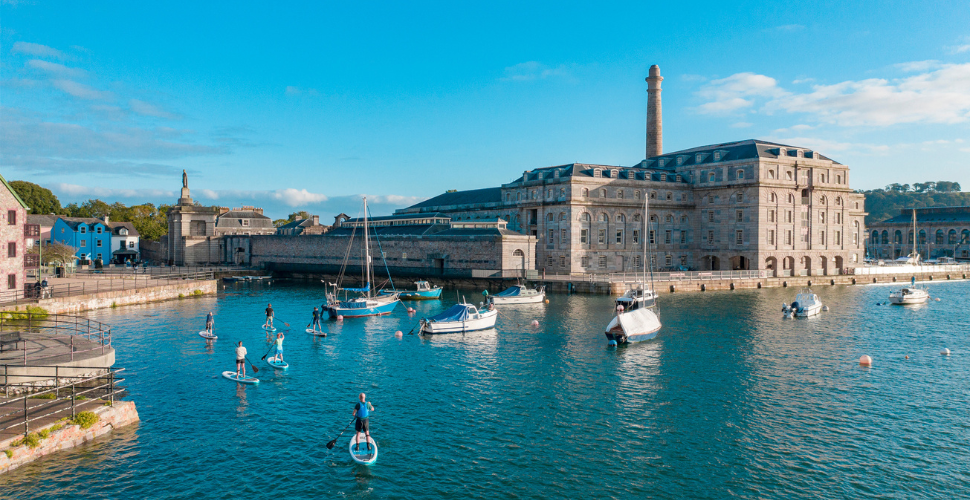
[[14, 233], [940, 232], [91, 237], [746, 205], [125, 242]]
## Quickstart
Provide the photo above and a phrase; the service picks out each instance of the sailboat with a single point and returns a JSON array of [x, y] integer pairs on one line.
[[911, 294], [365, 304], [635, 319]]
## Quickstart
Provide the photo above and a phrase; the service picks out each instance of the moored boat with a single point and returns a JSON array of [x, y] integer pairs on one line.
[[519, 294], [423, 291], [636, 319], [806, 304], [460, 318]]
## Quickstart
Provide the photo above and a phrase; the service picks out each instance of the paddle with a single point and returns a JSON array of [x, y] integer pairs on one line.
[[267, 352], [251, 365], [331, 444]]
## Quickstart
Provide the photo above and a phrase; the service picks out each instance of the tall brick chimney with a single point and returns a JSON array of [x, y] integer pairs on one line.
[[655, 128]]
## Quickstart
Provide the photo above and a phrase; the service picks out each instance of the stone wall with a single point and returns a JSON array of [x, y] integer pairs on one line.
[[122, 413], [11, 234], [155, 251], [64, 305]]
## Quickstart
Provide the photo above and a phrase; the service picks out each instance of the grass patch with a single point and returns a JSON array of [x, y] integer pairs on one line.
[[43, 433], [114, 305], [9, 453], [49, 395], [85, 419], [55, 428], [31, 441], [35, 313], [80, 398]]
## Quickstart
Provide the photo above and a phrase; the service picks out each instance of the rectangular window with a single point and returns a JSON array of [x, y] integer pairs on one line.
[[245, 222], [668, 260], [855, 239], [636, 237], [821, 236], [584, 235], [131, 244], [636, 262], [740, 197], [84, 243], [619, 237], [12, 249], [788, 237], [771, 215], [602, 237], [652, 237], [11, 281], [84, 229], [838, 237], [739, 236], [602, 262], [99, 229], [552, 240], [683, 260], [99, 256], [788, 216], [667, 236], [683, 237], [710, 216], [584, 261], [549, 260], [12, 217], [98, 243], [710, 237], [740, 215], [771, 236], [563, 236], [562, 261]]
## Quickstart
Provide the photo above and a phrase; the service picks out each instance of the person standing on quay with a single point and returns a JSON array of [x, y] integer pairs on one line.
[[241, 359], [269, 316]]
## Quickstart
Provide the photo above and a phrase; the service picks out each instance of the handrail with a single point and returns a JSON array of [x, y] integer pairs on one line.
[[32, 293], [48, 407], [58, 325]]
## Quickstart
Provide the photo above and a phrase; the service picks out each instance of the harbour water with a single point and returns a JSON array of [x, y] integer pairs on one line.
[[730, 400]]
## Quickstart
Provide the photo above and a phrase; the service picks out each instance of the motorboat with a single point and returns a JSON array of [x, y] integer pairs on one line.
[[806, 304], [519, 294], [636, 317], [909, 295], [423, 291], [460, 318]]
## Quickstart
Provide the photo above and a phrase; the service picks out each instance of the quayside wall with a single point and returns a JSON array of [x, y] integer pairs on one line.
[[98, 300]]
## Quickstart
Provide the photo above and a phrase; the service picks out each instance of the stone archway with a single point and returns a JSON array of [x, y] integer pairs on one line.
[[839, 264], [711, 263], [771, 265], [806, 267], [788, 266], [740, 263], [825, 266]]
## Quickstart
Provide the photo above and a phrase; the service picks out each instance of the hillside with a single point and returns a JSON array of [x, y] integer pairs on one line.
[[885, 203]]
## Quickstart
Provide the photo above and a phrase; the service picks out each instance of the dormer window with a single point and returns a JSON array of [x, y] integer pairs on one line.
[[597, 172], [740, 175], [680, 160], [717, 156], [679, 178], [99, 229], [663, 177], [245, 222], [84, 229], [698, 158], [710, 177], [615, 174], [123, 232]]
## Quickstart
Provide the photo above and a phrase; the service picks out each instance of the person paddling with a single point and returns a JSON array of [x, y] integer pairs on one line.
[[316, 319], [269, 316], [361, 424], [208, 323], [279, 348], [241, 359]]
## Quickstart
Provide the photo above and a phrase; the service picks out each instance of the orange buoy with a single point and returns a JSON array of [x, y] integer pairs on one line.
[[865, 360], [907, 356]]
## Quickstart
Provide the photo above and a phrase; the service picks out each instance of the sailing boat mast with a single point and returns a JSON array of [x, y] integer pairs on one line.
[[646, 215], [915, 237], [366, 248]]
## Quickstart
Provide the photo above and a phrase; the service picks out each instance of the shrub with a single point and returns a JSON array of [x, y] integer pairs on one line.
[[85, 419], [32, 441], [49, 395], [197, 293], [56, 428], [114, 305], [181, 295], [80, 398], [43, 433], [9, 453]]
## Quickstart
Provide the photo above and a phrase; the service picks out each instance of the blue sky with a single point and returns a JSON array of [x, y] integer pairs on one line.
[[307, 105]]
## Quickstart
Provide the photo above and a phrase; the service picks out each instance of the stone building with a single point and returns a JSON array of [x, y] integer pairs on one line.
[[742, 205], [940, 232], [302, 226], [13, 233]]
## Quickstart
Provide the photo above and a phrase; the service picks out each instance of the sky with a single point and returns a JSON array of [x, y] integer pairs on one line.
[[309, 105]]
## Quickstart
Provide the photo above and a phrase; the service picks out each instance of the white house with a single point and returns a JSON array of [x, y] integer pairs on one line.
[[124, 242]]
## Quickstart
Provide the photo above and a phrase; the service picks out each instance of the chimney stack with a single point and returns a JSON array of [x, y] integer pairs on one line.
[[655, 134]]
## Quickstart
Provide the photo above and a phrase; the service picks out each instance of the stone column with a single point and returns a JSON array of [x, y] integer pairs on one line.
[[655, 139]]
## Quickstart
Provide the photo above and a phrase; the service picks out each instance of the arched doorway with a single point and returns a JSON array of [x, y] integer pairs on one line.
[[518, 262], [787, 266], [825, 266], [839, 263], [806, 269], [771, 265], [739, 263], [711, 263]]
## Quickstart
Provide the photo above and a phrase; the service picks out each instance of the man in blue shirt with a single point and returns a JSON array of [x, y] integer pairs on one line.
[[361, 424], [208, 323]]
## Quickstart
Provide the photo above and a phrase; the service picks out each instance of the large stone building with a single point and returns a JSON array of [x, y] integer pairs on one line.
[[742, 205], [14, 232], [942, 232]]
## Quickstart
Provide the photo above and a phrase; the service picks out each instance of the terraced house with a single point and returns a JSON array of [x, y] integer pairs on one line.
[[745, 205], [91, 237]]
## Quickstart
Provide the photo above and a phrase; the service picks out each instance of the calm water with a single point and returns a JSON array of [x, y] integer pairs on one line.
[[729, 401]]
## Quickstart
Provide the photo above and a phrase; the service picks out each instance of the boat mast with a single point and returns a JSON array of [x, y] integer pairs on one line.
[[915, 236], [366, 248], [646, 207]]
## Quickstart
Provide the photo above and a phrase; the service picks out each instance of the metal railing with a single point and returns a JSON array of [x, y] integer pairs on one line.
[[32, 292], [78, 391], [689, 276], [61, 325], [156, 270]]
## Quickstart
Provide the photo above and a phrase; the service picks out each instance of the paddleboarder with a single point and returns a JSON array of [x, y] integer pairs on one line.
[[361, 413], [269, 316], [208, 323], [279, 347], [316, 319], [240, 359]]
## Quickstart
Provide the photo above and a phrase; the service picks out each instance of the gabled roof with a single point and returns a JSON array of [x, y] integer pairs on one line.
[[42, 220], [232, 218], [74, 222], [13, 192], [470, 197], [115, 226]]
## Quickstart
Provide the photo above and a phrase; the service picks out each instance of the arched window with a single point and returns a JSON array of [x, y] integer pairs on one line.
[[636, 195], [939, 236], [683, 219], [838, 201], [898, 237], [965, 237], [562, 192], [620, 218], [875, 237], [585, 193], [584, 217], [909, 239], [922, 236], [604, 217], [602, 193], [885, 237], [562, 216], [773, 198], [669, 218], [670, 195], [550, 217], [739, 197], [952, 237], [653, 218], [822, 200], [636, 217]]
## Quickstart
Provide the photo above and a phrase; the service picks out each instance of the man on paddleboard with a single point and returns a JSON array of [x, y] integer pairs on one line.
[[269, 316], [361, 424], [208, 323], [241, 359], [316, 319]]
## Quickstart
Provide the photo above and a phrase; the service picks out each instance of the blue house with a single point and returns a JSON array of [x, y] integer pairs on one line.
[[90, 236]]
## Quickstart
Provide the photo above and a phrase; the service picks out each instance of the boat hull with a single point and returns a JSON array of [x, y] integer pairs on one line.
[[531, 299], [907, 301], [633, 326], [417, 295], [484, 322], [808, 311], [359, 312]]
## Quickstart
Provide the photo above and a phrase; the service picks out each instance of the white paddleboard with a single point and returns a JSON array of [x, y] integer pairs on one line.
[[316, 333], [231, 375], [208, 336], [269, 328], [361, 454], [279, 365]]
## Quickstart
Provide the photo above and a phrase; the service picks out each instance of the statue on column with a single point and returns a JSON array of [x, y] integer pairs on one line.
[[185, 179]]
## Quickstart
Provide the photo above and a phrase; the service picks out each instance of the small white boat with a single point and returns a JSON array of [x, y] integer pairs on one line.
[[806, 304], [635, 299], [909, 295], [518, 294], [460, 318], [633, 326]]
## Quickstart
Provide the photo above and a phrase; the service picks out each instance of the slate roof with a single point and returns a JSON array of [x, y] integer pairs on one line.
[[232, 218], [115, 226], [74, 222], [470, 197], [410, 230], [738, 150], [385, 218], [930, 215], [42, 220]]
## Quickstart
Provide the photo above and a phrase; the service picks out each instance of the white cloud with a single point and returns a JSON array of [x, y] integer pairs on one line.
[[741, 125], [959, 49], [56, 69], [80, 90], [533, 70], [147, 109], [788, 28], [395, 199], [298, 197], [36, 49], [918, 66], [941, 95]]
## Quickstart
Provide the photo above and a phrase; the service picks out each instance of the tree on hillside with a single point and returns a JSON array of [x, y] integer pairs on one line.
[[40, 200], [882, 204], [91, 208]]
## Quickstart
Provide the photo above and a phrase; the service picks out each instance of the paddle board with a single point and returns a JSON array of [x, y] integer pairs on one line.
[[231, 375], [208, 336], [269, 328], [279, 365], [362, 455], [316, 333]]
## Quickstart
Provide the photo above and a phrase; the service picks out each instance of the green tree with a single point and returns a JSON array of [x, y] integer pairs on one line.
[[40, 199]]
